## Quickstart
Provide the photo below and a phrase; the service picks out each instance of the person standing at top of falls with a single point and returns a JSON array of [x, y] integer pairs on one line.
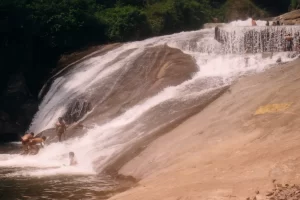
[[278, 23], [289, 42], [60, 128], [217, 33], [253, 22]]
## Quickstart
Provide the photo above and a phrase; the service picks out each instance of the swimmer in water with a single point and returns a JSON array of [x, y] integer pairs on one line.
[[73, 161]]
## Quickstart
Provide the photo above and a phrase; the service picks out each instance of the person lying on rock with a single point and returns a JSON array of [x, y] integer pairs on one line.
[[60, 128], [35, 143], [25, 139], [72, 158]]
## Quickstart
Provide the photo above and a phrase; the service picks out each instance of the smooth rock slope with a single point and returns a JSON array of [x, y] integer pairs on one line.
[[235, 146]]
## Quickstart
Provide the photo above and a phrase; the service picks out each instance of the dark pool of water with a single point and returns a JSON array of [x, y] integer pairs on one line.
[[54, 187], [83, 187]]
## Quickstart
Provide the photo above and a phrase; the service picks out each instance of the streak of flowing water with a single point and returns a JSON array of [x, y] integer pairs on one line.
[[106, 141]]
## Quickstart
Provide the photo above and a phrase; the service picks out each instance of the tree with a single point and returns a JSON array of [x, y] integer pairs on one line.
[[124, 23]]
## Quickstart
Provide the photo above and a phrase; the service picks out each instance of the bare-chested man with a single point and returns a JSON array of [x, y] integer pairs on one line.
[[25, 140], [60, 128], [33, 144]]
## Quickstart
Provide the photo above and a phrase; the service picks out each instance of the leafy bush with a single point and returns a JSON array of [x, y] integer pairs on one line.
[[174, 15], [124, 23]]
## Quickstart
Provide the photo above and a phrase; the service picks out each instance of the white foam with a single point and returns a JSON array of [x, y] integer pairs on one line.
[[248, 22]]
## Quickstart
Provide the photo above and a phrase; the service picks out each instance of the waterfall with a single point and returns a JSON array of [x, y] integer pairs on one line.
[[100, 78], [257, 39]]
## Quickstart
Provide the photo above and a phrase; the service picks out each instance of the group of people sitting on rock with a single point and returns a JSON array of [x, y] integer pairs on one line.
[[32, 145]]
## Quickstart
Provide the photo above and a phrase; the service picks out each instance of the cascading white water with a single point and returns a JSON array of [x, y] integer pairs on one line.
[[105, 141], [257, 39]]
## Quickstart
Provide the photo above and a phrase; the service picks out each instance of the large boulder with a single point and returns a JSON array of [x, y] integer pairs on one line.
[[290, 18], [148, 74]]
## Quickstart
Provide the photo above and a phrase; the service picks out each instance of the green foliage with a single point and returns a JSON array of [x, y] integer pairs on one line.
[[242, 9], [174, 15], [124, 23], [274, 6], [294, 4], [62, 23]]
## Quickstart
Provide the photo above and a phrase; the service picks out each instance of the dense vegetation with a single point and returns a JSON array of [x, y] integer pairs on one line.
[[34, 33]]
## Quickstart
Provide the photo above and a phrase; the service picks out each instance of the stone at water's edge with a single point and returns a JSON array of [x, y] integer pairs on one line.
[[50, 134]]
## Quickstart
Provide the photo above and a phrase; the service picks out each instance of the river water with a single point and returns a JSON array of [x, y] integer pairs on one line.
[[32, 183]]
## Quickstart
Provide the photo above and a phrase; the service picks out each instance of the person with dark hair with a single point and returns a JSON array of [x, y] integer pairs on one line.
[[25, 139], [73, 160], [35, 144], [60, 128]]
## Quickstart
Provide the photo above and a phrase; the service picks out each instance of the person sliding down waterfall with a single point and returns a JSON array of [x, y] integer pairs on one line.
[[33, 144], [60, 128], [25, 139]]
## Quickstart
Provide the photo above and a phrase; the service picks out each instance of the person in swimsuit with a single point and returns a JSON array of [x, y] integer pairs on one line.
[[60, 128]]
